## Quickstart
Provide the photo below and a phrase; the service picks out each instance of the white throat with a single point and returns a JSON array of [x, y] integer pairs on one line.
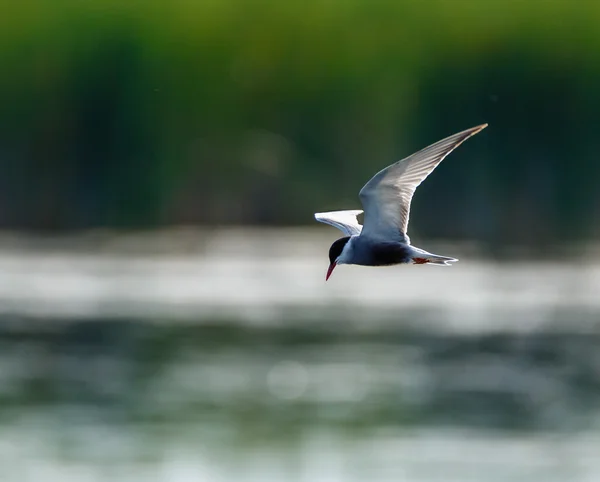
[[347, 253]]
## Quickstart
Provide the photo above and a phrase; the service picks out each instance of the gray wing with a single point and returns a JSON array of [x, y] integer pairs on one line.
[[386, 197], [345, 221]]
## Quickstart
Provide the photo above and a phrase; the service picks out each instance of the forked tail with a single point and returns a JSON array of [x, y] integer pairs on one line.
[[435, 259], [442, 260]]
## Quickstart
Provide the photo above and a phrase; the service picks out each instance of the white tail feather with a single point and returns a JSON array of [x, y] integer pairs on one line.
[[441, 260]]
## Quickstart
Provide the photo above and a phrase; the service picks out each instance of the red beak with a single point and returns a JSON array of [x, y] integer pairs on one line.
[[330, 270]]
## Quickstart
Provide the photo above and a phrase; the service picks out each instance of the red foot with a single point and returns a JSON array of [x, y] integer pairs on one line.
[[420, 260]]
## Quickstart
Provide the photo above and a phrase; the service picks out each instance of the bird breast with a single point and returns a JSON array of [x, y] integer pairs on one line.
[[376, 253]]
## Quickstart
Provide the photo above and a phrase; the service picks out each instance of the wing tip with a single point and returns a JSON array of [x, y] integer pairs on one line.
[[478, 128], [466, 134], [354, 212]]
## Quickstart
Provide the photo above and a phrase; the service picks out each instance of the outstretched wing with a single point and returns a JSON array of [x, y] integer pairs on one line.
[[345, 221], [387, 196]]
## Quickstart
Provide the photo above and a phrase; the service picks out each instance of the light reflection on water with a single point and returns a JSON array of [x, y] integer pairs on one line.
[[109, 400], [232, 360], [260, 277]]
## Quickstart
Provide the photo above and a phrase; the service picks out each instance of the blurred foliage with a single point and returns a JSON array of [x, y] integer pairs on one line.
[[140, 113]]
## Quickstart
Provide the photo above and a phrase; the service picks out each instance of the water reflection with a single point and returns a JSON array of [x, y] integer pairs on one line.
[[226, 358], [99, 400]]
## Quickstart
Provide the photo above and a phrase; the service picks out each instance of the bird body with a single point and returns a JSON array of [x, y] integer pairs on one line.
[[386, 199]]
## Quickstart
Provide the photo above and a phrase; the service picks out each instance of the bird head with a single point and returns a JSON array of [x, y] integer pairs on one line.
[[335, 253]]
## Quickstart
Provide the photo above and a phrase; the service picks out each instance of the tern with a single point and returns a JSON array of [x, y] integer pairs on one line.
[[382, 239]]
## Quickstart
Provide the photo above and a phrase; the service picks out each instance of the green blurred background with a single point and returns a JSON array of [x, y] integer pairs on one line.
[[163, 310], [145, 113]]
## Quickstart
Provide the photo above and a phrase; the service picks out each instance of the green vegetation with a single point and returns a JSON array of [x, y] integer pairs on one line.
[[140, 113]]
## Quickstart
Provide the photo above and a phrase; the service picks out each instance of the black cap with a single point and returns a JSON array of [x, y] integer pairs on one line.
[[336, 248]]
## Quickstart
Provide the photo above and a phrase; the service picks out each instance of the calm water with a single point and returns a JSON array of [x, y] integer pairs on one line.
[[222, 360], [119, 400]]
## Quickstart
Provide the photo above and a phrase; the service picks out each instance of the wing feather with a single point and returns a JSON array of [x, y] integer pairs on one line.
[[345, 221], [387, 196]]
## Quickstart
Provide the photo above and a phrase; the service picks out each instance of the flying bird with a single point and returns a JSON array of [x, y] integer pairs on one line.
[[382, 239]]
